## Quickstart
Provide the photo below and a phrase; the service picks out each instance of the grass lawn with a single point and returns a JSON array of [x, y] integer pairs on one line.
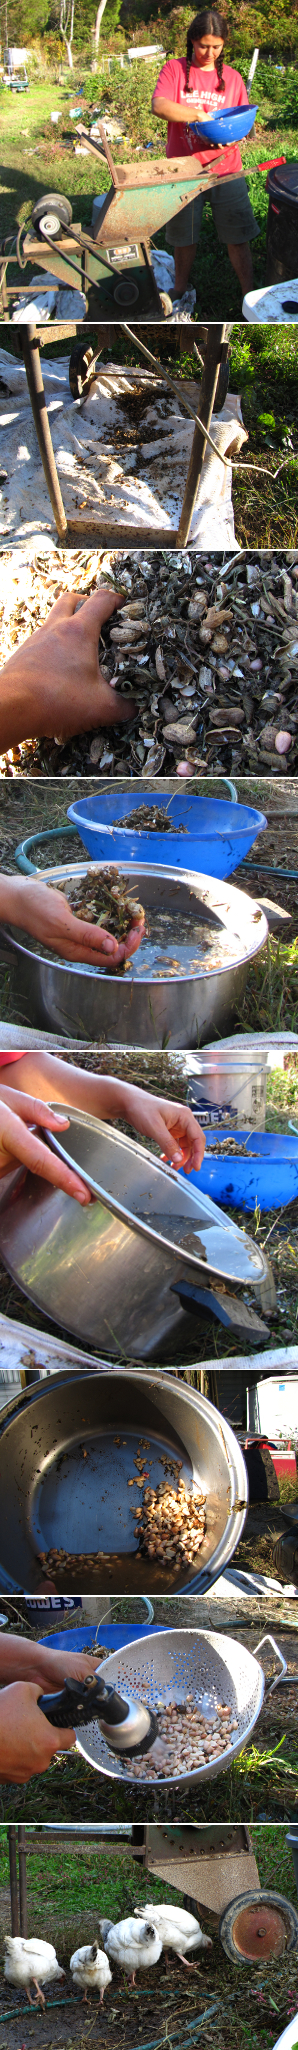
[[37, 157]]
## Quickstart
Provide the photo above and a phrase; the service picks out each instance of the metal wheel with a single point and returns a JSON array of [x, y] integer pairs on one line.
[[257, 1926], [126, 292], [166, 303], [285, 1554], [51, 213], [82, 369]]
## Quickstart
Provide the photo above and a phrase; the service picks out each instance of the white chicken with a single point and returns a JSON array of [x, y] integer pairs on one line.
[[134, 1944], [178, 1930], [27, 1961], [90, 1967]]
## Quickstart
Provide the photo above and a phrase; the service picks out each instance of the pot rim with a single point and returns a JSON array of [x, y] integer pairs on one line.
[[249, 913]]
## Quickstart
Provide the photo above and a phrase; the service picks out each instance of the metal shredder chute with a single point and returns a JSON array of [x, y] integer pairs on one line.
[[115, 257], [129, 1727]]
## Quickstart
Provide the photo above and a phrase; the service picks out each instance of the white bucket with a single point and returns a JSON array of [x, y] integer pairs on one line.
[[225, 1090]]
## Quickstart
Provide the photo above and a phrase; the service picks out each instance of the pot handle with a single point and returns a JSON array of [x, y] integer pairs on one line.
[[283, 1674]]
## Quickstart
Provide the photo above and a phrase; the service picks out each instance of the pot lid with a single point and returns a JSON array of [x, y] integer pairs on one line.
[[155, 1201]]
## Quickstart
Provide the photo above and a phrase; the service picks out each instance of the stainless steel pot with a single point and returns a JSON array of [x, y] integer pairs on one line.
[[174, 1664], [64, 1477], [92, 1005], [108, 1272]]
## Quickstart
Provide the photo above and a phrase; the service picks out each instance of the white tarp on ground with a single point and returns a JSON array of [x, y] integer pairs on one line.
[[113, 461], [52, 302]]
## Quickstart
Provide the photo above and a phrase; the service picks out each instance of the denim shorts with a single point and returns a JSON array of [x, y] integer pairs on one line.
[[233, 216]]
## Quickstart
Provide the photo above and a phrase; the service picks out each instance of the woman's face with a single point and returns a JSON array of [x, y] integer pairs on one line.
[[207, 50]]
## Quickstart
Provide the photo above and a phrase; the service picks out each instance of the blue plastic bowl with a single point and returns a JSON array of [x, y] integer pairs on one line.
[[218, 836], [270, 1180], [229, 125]]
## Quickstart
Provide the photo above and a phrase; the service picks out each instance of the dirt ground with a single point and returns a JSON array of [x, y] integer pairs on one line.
[[164, 2010]]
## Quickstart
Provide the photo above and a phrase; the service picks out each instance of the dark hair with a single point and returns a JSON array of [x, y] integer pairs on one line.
[[209, 23]]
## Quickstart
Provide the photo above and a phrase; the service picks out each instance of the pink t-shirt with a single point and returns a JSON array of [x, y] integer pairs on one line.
[[171, 85], [5, 1058]]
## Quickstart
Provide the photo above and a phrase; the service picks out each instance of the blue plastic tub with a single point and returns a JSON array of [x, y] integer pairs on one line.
[[110, 1634], [270, 1180], [229, 125], [218, 834]]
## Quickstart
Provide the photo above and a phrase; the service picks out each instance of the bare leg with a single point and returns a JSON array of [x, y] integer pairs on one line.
[[183, 263], [40, 1995], [241, 260]]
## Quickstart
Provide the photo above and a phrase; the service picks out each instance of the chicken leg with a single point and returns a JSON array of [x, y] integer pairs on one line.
[[185, 1961], [40, 1995]]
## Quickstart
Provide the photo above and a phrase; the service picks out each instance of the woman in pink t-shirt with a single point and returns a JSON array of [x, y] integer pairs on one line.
[[187, 90]]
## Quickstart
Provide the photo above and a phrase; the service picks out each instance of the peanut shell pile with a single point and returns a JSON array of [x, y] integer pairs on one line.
[[171, 1525], [191, 1740], [206, 646]]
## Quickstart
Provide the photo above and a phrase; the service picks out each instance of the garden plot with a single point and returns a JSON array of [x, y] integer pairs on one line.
[[121, 454]]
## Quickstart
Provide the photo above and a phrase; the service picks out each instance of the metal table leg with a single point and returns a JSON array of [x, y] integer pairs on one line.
[[30, 347], [216, 341]]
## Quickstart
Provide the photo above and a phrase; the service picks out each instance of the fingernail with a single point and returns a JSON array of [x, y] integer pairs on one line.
[[83, 1199]]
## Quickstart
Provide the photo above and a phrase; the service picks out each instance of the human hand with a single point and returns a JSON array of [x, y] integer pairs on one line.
[[53, 683], [28, 1742], [55, 1667], [196, 111], [17, 1144], [45, 914], [173, 1125]]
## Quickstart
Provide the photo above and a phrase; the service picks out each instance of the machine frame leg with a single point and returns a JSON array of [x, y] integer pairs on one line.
[[217, 339], [31, 354]]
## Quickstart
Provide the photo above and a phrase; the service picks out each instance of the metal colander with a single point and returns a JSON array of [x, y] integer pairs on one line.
[[179, 1662]]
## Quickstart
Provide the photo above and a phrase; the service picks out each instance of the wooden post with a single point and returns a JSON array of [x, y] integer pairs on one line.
[[14, 1906], [23, 1879]]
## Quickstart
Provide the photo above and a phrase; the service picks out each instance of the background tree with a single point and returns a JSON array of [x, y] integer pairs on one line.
[[66, 26]]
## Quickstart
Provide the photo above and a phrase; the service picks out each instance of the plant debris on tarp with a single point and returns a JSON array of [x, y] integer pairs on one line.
[[207, 649]]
